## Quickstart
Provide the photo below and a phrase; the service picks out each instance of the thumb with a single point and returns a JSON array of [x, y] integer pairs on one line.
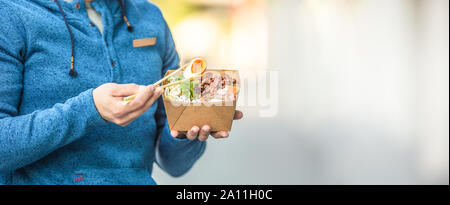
[[174, 133], [123, 90]]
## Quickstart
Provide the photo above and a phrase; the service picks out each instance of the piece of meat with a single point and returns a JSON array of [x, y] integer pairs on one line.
[[212, 82]]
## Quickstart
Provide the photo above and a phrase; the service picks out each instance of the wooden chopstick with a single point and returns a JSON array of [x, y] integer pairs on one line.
[[181, 81], [131, 97], [170, 75]]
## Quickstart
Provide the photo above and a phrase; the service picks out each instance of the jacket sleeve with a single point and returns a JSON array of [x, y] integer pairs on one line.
[[173, 155], [27, 138]]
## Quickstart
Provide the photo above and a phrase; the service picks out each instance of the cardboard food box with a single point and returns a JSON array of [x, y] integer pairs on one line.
[[182, 116]]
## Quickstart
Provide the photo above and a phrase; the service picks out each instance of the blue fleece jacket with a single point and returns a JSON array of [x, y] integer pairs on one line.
[[50, 130]]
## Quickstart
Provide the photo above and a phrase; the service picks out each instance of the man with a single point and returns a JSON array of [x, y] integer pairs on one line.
[[55, 128]]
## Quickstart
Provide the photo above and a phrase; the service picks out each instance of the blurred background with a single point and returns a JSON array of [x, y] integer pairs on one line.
[[359, 89]]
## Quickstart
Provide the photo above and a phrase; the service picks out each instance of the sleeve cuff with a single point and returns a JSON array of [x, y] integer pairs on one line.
[[86, 107]]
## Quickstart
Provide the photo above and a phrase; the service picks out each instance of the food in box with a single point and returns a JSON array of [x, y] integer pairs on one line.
[[206, 100]]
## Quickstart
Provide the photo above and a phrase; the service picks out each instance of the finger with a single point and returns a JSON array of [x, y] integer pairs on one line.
[[145, 93], [126, 124], [132, 111], [125, 110], [135, 114], [220, 134], [174, 133], [123, 90], [129, 118], [156, 94], [193, 133], [238, 115], [204, 133]]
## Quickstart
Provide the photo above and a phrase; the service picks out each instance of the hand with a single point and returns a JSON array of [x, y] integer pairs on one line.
[[203, 134], [108, 99]]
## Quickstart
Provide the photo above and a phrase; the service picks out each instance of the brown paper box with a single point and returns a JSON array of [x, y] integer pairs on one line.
[[183, 117]]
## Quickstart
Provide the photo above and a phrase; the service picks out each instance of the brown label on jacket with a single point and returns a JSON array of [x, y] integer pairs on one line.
[[144, 42]]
